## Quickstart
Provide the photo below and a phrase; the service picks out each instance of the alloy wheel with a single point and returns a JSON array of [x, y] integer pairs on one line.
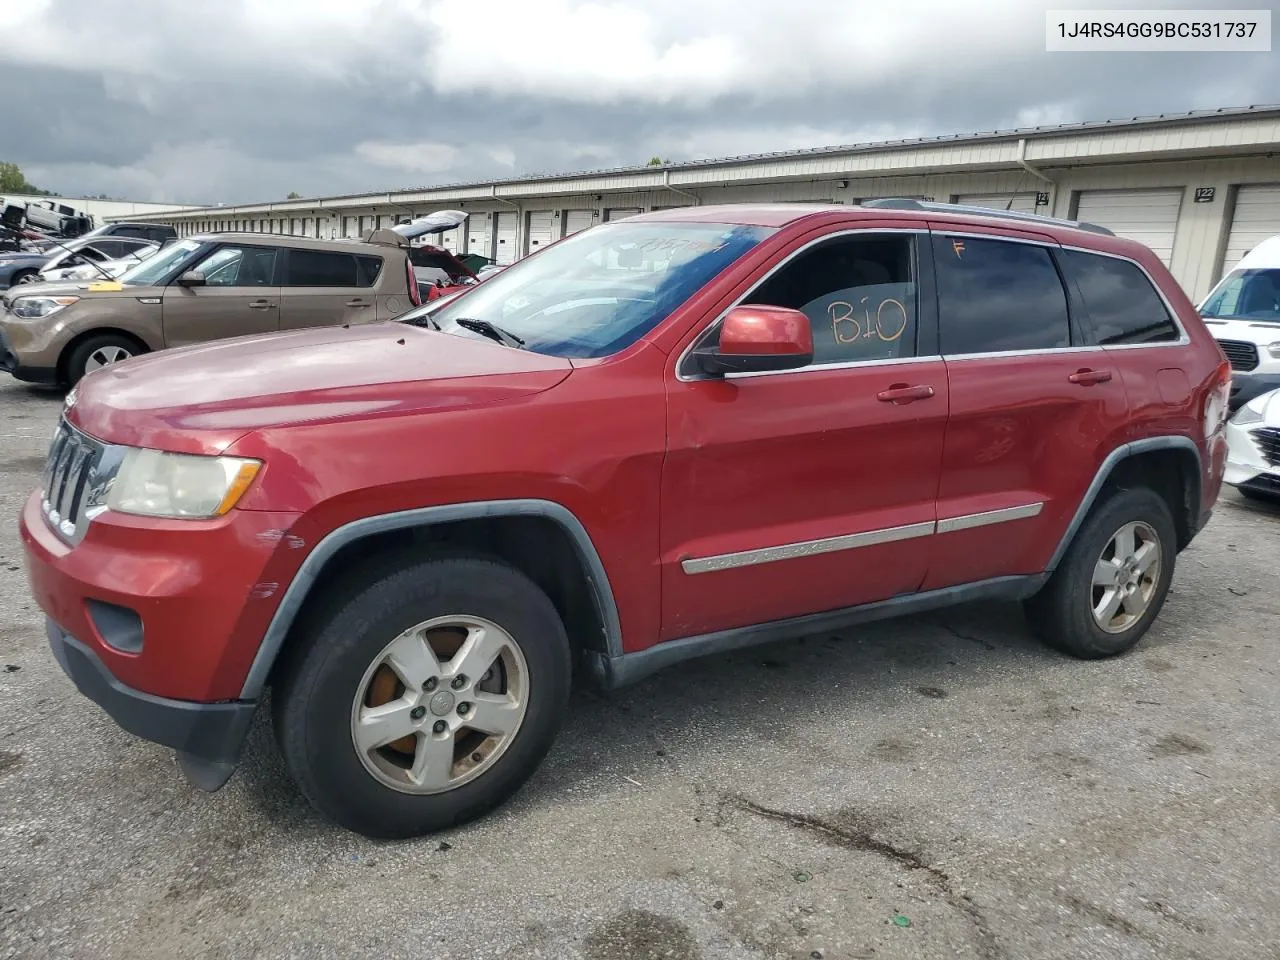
[[105, 356], [1126, 576], [440, 704]]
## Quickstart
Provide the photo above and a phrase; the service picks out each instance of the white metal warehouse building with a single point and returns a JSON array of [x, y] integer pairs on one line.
[[1199, 188]]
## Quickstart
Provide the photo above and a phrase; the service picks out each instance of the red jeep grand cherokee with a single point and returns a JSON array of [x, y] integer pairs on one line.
[[673, 435]]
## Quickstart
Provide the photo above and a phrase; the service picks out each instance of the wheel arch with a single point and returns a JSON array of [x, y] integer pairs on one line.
[[1146, 462], [501, 522]]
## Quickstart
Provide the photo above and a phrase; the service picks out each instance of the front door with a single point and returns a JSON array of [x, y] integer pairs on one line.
[[810, 490], [323, 288], [1034, 406], [240, 296]]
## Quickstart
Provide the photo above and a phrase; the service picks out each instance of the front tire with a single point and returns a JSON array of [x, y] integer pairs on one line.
[[1113, 580], [96, 352], [424, 697]]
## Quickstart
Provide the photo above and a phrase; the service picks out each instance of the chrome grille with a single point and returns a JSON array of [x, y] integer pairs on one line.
[[1268, 441], [75, 479], [1242, 354]]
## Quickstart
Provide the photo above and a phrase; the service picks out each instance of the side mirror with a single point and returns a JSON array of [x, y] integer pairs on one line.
[[192, 278], [759, 339]]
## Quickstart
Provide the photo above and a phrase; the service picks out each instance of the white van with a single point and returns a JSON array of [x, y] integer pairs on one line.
[[1243, 314]]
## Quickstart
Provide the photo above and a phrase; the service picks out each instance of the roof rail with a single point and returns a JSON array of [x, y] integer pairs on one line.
[[904, 203]]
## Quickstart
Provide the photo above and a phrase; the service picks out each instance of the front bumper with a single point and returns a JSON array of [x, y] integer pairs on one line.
[[207, 736], [198, 595], [9, 364], [1245, 460]]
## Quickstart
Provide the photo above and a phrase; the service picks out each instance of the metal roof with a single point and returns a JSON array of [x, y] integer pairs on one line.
[[1222, 113]]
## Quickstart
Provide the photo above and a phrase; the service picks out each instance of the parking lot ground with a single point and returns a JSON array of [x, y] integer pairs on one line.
[[941, 786]]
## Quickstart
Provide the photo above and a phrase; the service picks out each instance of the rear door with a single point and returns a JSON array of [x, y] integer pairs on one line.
[[1035, 408], [324, 288], [240, 296]]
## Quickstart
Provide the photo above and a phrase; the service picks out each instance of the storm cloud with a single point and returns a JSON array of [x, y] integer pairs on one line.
[[246, 100]]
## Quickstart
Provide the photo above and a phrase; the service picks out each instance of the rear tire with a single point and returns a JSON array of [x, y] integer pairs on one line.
[[359, 662], [99, 351], [24, 276], [1099, 603]]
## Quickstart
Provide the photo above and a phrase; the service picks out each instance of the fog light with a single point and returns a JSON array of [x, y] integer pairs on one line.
[[119, 627]]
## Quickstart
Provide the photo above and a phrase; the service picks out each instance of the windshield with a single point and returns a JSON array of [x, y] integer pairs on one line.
[[598, 291], [155, 268], [1245, 295]]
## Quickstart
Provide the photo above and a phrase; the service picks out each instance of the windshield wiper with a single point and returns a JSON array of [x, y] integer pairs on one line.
[[487, 329]]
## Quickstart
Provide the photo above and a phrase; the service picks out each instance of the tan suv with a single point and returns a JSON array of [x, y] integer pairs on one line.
[[202, 288]]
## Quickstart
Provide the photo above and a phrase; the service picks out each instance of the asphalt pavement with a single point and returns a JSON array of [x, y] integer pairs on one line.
[[934, 787]]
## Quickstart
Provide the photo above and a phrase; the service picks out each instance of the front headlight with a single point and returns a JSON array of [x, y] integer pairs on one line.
[[1274, 349], [153, 483], [1251, 412], [37, 308]]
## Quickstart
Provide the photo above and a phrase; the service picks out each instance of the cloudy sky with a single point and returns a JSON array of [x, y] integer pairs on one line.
[[245, 100]]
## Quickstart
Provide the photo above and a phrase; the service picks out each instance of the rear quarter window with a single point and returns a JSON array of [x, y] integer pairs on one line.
[[368, 270], [1123, 305]]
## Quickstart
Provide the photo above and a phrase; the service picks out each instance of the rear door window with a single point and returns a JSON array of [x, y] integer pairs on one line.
[[997, 296], [319, 268], [1123, 305]]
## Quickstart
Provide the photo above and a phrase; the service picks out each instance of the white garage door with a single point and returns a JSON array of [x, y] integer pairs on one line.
[[542, 229], [617, 213], [1256, 217], [1013, 202], [575, 220], [1148, 216], [478, 235], [450, 239], [506, 237]]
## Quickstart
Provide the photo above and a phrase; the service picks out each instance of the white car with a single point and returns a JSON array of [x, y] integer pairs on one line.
[[1253, 448], [110, 256], [1243, 314], [98, 270]]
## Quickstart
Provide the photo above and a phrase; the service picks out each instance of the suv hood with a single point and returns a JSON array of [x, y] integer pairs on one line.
[[201, 399], [1260, 332]]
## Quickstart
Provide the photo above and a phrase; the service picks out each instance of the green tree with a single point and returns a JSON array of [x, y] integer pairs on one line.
[[12, 180], [294, 195]]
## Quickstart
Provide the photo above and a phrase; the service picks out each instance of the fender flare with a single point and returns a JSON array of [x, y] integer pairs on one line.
[[1114, 458], [298, 590]]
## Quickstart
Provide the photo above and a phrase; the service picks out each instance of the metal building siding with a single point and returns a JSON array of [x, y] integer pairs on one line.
[[575, 220], [1147, 216], [620, 213], [1013, 202], [505, 229], [542, 229], [1256, 216], [478, 237]]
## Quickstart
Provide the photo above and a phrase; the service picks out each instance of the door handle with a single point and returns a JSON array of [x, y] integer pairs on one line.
[[261, 304], [357, 303], [1087, 378], [905, 393]]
